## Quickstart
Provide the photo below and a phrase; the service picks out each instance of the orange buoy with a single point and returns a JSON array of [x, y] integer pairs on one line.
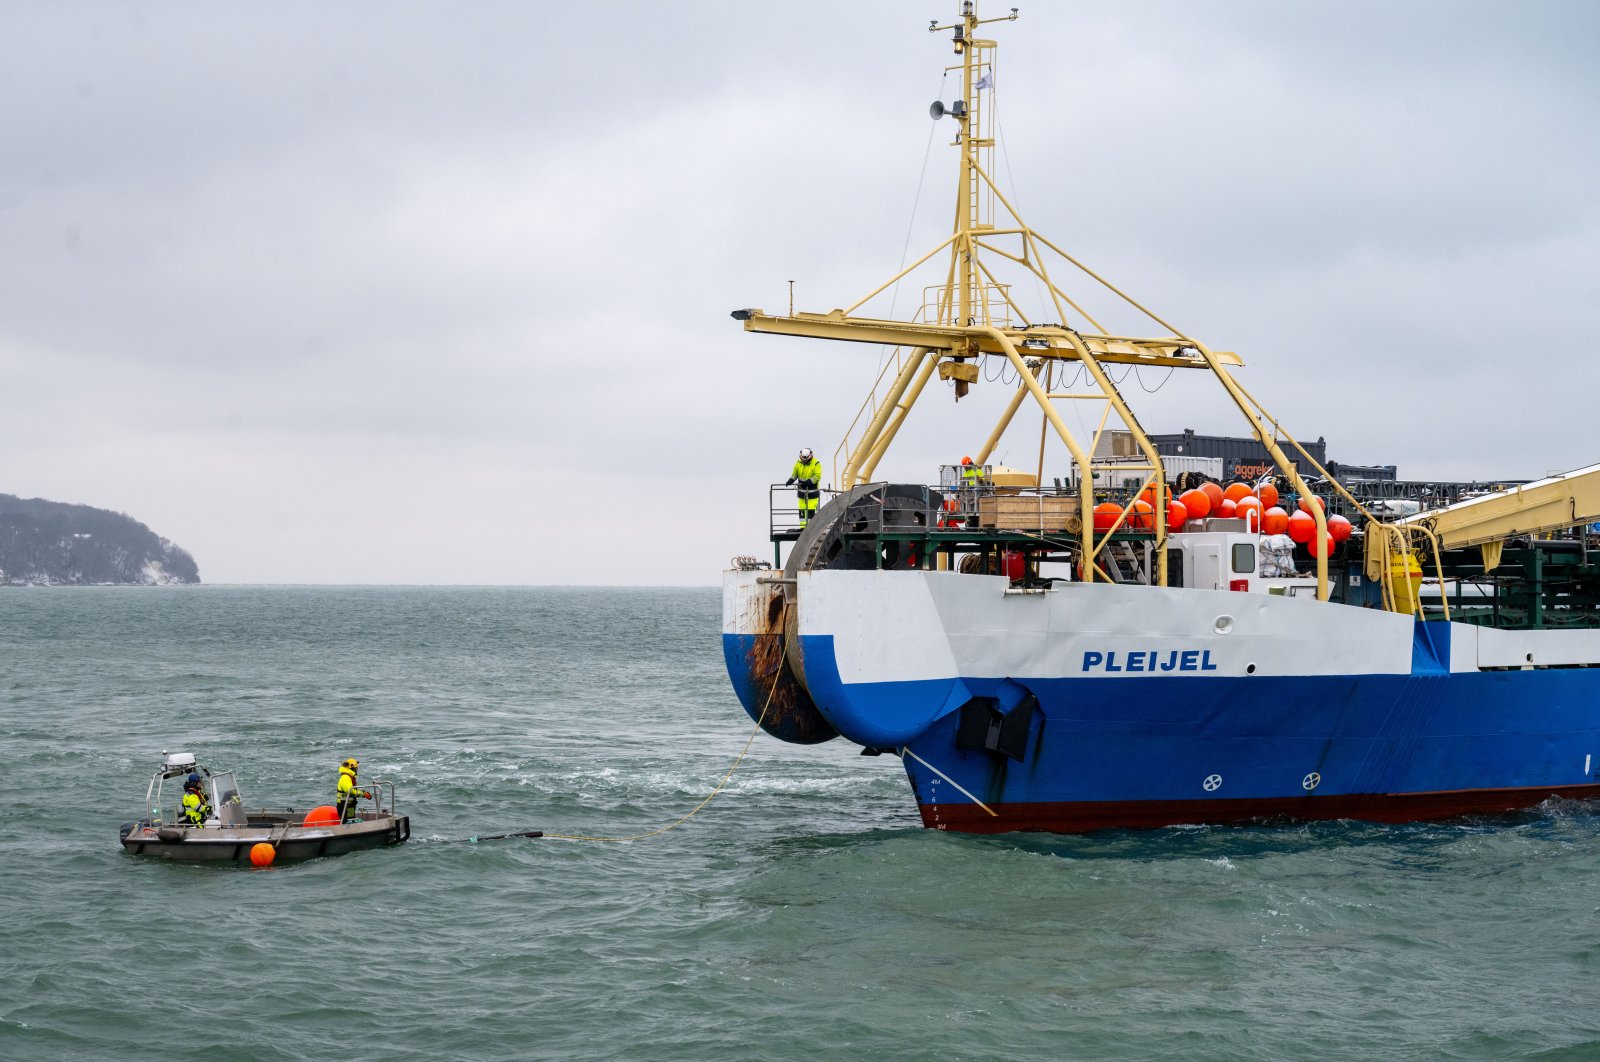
[[1213, 492], [1143, 516], [1105, 516], [1268, 495], [1248, 509], [1339, 527], [1302, 527], [1320, 544], [1235, 491], [1227, 508], [1274, 521], [325, 815], [1177, 515], [262, 854], [1305, 505], [1197, 502]]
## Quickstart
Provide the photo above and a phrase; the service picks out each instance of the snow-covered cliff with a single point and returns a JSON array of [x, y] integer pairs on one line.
[[49, 543]]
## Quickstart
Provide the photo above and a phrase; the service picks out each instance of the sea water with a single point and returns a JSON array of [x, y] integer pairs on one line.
[[803, 914]]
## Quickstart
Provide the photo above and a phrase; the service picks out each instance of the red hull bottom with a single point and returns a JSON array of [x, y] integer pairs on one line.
[[1083, 816]]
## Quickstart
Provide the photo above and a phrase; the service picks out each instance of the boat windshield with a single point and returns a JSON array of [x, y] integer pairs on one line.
[[226, 801]]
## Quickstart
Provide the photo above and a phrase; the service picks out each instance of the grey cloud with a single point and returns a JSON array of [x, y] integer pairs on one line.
[[287, 281]]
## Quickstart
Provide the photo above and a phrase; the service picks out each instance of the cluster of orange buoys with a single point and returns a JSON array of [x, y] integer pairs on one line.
[[1257, 507]]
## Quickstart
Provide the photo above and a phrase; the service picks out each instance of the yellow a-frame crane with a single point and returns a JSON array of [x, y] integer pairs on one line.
[[972, 315]]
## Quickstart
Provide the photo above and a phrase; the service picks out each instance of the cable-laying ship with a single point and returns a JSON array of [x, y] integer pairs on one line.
[[1086, 650]]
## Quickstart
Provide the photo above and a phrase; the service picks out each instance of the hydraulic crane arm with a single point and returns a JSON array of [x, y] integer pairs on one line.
[[1545, 505]]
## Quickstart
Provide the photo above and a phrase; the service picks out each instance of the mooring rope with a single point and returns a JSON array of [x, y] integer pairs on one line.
[[696, 810]]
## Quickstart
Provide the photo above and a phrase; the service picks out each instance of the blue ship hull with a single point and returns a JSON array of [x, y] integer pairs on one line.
[[1140, 750]]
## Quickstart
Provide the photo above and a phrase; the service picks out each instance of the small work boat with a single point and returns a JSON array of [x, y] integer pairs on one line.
[[233, 830]]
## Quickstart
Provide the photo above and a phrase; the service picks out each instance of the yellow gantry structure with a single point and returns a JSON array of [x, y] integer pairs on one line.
[[972, 315], [1552, 504]]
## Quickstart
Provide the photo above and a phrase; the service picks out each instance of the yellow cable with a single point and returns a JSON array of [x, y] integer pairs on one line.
[[740, 759]]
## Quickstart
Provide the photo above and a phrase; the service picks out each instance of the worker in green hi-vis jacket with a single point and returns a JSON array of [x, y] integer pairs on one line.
[[807, 476]]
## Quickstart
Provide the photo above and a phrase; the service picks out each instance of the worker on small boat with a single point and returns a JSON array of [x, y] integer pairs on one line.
[[346, 789], [195, 807], [807, 475]]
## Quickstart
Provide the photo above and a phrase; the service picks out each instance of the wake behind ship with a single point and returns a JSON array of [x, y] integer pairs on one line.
[[1109, 640]]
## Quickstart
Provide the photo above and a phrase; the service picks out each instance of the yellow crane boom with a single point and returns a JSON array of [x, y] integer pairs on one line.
[[1562, 501]]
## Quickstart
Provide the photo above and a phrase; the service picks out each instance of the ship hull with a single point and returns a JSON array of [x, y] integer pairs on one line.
[[1099, 705]]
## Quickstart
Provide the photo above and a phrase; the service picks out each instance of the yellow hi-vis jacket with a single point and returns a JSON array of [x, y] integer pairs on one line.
[[346, 789], [808, 476], [195, 808]]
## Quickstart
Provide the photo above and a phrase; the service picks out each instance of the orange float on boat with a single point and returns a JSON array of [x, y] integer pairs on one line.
[[1177, 515], [1235, 491], [1197, 502], [1274, 521], [323, 815], [1105, 516], [1302, 527]]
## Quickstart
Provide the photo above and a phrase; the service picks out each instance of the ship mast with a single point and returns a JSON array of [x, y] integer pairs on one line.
[[975, 143], [973, 316]]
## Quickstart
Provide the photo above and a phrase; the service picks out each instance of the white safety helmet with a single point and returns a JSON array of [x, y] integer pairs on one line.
[[805, 453]]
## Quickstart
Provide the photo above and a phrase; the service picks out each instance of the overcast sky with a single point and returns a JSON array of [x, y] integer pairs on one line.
[[438, 293]]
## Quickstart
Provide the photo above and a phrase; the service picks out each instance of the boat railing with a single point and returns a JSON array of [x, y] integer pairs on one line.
[[382, 791], [960, 500]]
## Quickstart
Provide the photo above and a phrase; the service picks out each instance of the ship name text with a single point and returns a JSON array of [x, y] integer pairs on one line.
[[1149, 660]]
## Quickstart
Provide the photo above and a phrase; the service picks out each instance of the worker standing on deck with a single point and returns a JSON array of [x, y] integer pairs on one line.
[[971, 477], [807, 478], [346, 789], [195, 807]]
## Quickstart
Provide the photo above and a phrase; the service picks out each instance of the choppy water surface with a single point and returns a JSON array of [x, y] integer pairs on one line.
[[803, 914]]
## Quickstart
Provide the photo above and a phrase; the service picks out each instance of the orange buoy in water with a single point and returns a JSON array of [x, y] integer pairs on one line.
[[1339, 527], [1274, 521], [1268, 495], [1235, 491], [1302, 527], [1305, 505], [325, 815], [1248, 509], [1197, 502], [1105, 515], [262, 855], [1213, 492], [1143, 516], [1227, 508], [1177, 515]]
